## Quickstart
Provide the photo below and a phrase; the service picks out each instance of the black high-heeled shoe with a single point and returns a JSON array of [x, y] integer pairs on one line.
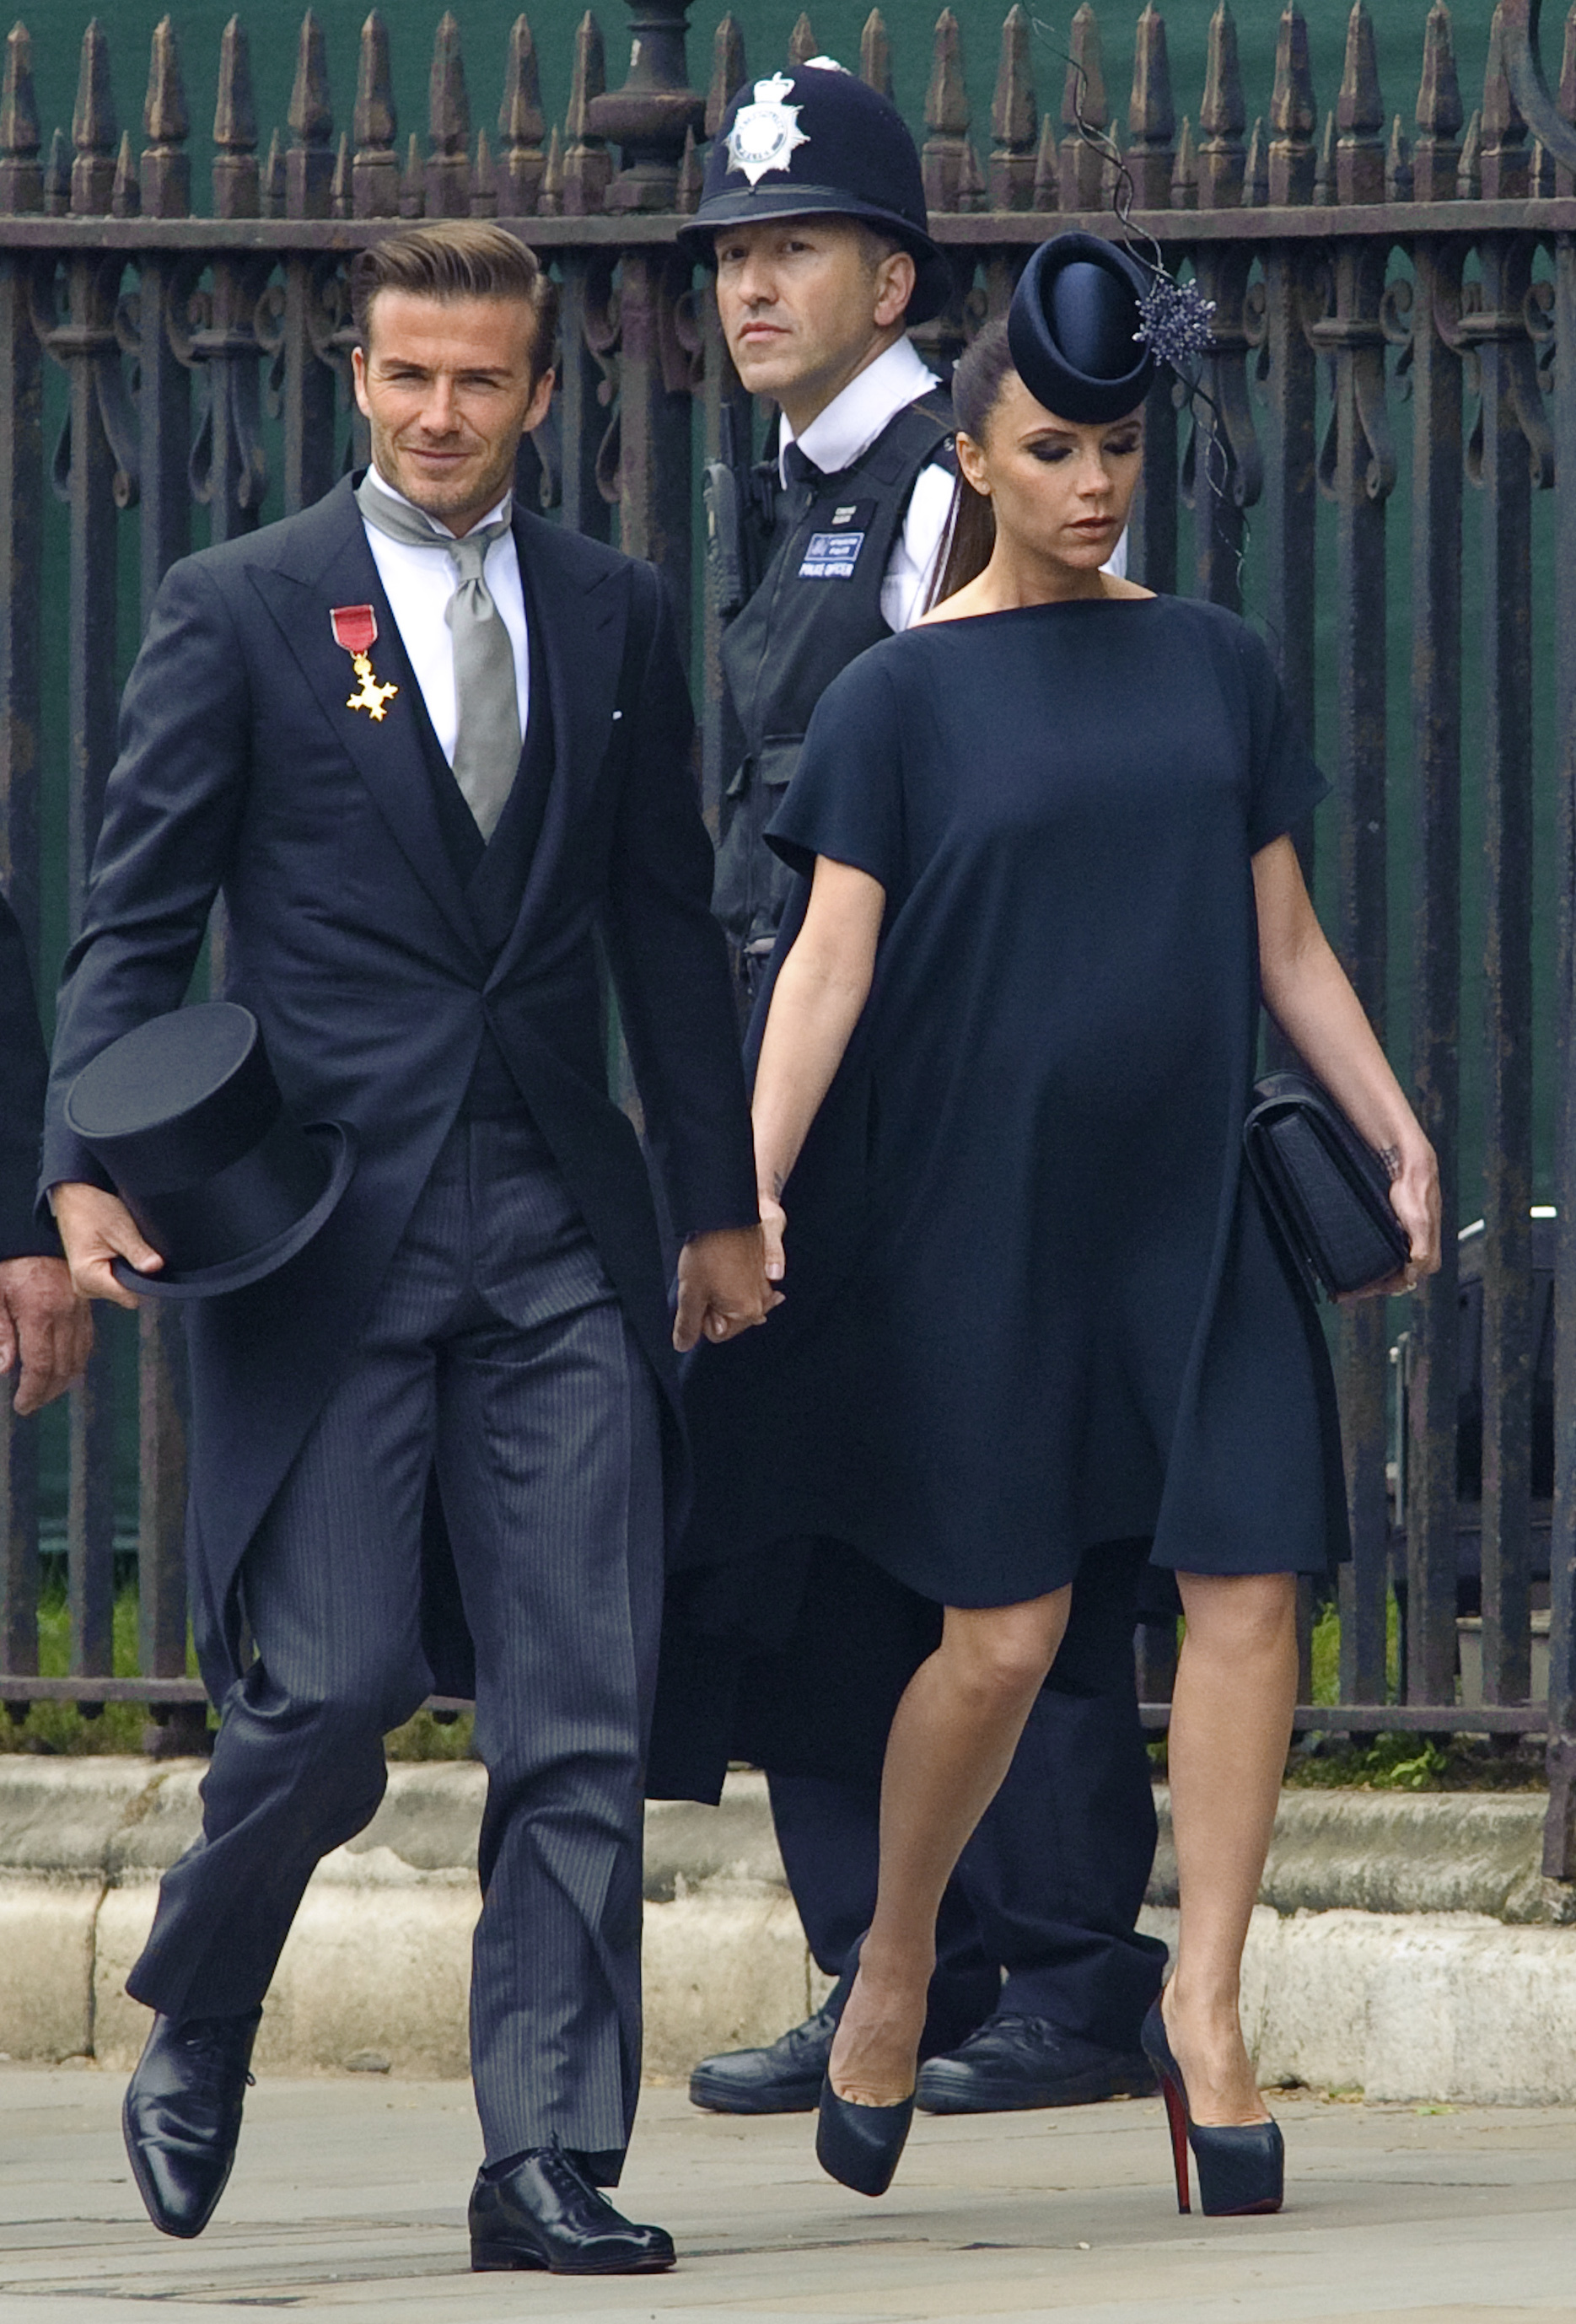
[[1241, 2166], [859, 2145]]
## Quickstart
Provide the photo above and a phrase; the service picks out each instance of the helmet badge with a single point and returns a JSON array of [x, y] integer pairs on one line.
[[765, 134]]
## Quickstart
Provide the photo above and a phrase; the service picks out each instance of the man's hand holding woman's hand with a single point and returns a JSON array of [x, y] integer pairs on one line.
[[722, 1287], [96, 1226]]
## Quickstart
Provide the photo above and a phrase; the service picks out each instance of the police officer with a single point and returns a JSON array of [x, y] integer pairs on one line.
[[813, 214]]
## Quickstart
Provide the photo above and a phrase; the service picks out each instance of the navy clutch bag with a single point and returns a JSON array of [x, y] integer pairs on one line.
[[1326, 1190]]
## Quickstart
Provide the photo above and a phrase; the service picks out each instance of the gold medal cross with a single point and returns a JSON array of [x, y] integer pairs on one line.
[[371, 696]]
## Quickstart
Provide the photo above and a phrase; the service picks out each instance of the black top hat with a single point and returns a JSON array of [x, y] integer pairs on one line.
[[185, 1115], [1073, 329], [818, 142]]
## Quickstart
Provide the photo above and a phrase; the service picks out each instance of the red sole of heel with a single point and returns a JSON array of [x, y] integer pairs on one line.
[[1176, 2115]]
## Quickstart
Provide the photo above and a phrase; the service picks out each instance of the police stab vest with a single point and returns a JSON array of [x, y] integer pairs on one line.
[[817, 606]]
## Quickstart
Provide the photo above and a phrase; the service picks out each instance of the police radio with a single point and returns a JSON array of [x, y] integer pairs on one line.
[[737, 499]]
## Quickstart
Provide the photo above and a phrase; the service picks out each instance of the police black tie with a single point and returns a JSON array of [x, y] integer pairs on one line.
[[486, 751], [804, 478]]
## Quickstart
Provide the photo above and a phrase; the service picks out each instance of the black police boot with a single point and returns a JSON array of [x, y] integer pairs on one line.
[[1014, 2061], [785, 2078], [541, 2210], [183, 2115]]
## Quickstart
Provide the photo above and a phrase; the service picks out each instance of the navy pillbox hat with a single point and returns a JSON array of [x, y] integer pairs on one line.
[[818, 142], [1073, 329]]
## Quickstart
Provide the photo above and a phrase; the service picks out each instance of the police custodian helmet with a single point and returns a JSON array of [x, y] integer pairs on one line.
[[819, 141]]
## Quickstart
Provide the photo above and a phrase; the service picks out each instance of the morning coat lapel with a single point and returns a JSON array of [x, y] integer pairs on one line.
[[324, 561], [581, 609]]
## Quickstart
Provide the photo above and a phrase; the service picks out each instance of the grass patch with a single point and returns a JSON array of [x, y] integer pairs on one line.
[[52, 1729], [1420, 1763], [1325, 1650], [67, 1729], [1395, 1762], [425, 1736], [1402, 1763], [1405, 1763]]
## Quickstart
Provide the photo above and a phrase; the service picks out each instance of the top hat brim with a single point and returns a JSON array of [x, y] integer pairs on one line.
[[252, 1266], [933, 280]]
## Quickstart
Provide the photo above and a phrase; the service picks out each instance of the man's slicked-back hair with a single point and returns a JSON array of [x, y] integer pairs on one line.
[[458, 258]]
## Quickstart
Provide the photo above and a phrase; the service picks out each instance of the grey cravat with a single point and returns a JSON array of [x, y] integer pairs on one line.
[[486, 751]]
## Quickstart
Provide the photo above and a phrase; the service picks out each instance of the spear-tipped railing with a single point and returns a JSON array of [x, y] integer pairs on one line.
[[1396, 310]]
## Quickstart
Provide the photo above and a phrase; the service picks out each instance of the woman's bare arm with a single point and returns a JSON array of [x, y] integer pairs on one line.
[[815, 1002], [1307, 993]]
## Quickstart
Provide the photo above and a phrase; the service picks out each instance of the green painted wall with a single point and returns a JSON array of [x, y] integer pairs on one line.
[[57, 27]]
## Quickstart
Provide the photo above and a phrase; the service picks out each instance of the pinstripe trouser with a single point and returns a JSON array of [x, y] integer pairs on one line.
[[496, 1352]]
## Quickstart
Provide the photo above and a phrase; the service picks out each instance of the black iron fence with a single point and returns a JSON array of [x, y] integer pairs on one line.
[[1393, 389]]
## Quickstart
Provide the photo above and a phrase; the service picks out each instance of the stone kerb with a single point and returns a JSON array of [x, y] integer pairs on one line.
[[1404, 1945]]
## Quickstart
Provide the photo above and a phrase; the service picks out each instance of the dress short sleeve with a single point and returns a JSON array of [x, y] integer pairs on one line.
[[1283, 783], [846, 798]]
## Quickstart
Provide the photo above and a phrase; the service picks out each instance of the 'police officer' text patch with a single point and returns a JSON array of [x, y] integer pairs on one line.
[[830, 555]]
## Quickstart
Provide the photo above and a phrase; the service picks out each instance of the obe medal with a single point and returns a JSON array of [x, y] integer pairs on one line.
[[356, 631], [765, 134]]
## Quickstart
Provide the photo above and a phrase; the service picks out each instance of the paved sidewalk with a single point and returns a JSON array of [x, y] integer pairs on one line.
[[349, 2201]]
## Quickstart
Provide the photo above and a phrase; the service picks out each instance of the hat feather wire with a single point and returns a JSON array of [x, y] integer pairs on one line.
[[1176, 322]]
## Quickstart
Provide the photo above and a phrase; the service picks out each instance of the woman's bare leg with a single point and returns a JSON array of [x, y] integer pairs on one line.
[[952, 1742], [1230, 1729]]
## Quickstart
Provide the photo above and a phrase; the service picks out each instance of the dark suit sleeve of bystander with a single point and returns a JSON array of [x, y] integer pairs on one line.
[[666, 953], [24, 1072], [171, 809]]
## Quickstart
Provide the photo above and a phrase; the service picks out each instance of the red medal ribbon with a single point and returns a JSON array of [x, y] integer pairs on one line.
[[356, 628]]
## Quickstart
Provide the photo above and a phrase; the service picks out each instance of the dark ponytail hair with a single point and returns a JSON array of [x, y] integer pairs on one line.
[[976, 391]]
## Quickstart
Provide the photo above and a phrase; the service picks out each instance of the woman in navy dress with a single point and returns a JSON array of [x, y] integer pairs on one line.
[[1033, 1303]]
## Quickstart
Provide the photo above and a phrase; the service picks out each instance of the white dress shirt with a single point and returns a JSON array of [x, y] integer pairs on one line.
[[418, 583], [849, 425]]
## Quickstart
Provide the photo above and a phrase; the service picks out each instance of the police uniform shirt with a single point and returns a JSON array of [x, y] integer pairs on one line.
[[849, 425]]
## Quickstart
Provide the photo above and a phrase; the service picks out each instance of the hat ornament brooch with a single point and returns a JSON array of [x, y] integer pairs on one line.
[[1176, 322]]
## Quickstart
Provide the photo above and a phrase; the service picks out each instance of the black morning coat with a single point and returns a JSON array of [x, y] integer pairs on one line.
[[23, 1071], [242, 770]]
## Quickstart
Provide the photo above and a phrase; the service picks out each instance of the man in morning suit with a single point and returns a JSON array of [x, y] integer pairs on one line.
[[813, 216], [46, 1332], [435, 754]]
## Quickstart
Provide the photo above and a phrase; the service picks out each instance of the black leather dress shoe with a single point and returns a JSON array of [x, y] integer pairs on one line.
[[544, 2212], [183, 2115], [785, 2078], [1028, 2061]]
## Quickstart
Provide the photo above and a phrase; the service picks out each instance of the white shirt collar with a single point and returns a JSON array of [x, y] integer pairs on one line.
[[857, 414], [442, 531]]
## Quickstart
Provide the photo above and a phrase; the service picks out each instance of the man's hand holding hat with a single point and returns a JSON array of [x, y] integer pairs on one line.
[[96, 1229]]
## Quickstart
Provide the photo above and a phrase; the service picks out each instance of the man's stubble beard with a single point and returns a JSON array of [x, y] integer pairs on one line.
[[442, 502]]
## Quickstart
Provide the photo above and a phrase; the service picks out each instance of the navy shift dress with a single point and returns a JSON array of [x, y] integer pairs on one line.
[[1033, 1302]]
